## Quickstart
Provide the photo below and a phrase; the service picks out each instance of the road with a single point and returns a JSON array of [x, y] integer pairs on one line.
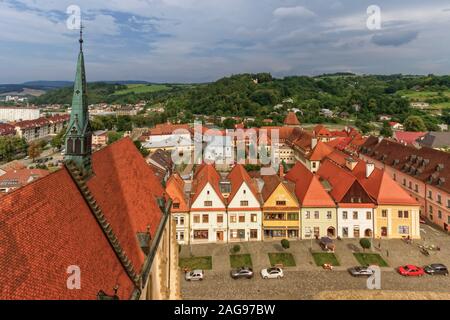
[[301, 285]]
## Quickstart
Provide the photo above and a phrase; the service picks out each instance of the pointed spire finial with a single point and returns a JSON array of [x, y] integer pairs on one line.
[[81, 35]]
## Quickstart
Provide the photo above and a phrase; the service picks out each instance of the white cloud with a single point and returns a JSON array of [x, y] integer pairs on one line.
[[293, 12]]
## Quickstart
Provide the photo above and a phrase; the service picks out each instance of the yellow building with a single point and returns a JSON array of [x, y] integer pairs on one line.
[[280, 210]]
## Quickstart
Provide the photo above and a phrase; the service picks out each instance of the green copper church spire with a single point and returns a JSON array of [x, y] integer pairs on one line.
[[79, 134]]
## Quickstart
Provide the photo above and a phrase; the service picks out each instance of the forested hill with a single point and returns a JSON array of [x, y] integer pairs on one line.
[[241, 95], [259, 95], [105, 92]]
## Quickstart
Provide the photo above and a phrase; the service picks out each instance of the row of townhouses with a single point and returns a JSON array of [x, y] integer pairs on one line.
[[32, 130], [352, 201], [423, 173]]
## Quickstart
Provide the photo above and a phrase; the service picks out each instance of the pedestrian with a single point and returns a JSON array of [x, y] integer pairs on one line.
[[387, 253]]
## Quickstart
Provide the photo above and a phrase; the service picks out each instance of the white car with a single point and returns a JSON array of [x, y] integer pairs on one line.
[[195, 275], [272, 273]]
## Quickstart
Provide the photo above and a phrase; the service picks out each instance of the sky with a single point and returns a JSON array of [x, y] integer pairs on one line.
[[204, 40]]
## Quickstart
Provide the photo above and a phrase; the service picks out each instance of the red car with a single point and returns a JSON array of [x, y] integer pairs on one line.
[[411, 271]]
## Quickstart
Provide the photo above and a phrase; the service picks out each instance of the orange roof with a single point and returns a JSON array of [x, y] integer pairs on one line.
[[206, 173], [291, 119], [175, 190], [340, 179], [48, 225], [19, 178], [237, 177], [167, 128], [308, 188], [320, 151], [321, 131], [382, 188]]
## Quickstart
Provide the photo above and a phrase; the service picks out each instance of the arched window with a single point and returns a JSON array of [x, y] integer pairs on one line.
[[78, 146], [69, 146]]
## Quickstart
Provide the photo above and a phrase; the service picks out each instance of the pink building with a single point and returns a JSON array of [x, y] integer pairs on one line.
[[424, 173]]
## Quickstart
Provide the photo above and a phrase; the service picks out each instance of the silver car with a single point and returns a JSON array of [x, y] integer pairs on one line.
[[244, 272], [272, 273], [360, 272], [195, 275]]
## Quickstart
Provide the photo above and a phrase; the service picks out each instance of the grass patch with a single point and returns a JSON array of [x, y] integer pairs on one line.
[[241, 260], [204, 263], [321, 258], [286, 259], [367, 259]]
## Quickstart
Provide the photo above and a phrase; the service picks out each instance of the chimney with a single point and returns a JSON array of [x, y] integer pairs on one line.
[[380, 138], [313, 143], [370, 167]]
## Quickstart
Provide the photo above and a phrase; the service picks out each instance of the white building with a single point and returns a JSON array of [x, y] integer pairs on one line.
[[218, 148], [244, 207], [208, 210], [13, 114], [355, 222]]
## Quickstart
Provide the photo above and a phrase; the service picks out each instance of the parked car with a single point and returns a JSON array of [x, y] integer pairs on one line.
[[195, 275], [360, 271], [411, 271], [436, 268], [272, 273], [244, 272]]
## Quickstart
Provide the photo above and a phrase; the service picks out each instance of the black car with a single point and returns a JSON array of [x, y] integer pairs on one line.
[[436, 268], [244, 272]]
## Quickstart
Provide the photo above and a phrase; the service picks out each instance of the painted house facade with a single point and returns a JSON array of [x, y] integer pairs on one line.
[[209, 221], [180, 207], [318, 210], [355, 207], [244, 207], [281, 211], [423, 173]]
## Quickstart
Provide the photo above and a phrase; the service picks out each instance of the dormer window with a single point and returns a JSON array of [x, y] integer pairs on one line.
[[176, 206]]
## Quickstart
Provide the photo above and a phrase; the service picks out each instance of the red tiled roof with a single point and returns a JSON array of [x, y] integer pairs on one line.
[[206, 173], [7, 129], [19, 178], [291, 119], [59, 118], [28, 124], [321, 131], [320, 151], [308, 188], [45, 227], [381, 187], [408, 137], [175, 190], [425, 164], [340, 179], [237, 177], [167, 129], [123, 182], [50, 227]]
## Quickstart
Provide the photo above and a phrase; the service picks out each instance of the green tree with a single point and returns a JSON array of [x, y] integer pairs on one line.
[[415, 123], [58, 140], [11, 147], [285, 244], [229, 123], [386, 130], [365, 243], [34, 150], [113, 137]]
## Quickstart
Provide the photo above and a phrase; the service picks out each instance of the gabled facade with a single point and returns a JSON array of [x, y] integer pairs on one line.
[[355, 208], [209, 222], [180, 207], [397, 213], [244, 207], [281, 210], [317, 209]]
